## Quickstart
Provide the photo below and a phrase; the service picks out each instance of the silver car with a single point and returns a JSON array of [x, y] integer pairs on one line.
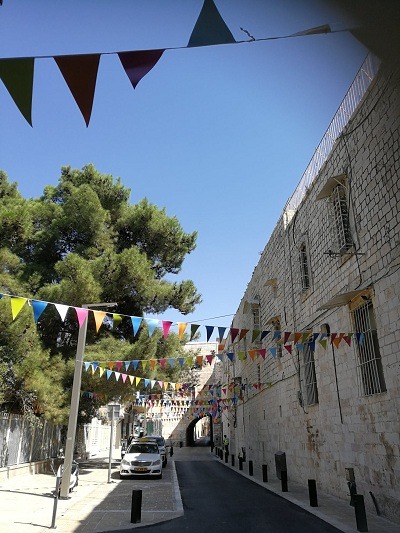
[[141, 459]]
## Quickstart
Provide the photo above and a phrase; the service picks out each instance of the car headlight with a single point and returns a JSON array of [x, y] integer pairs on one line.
[[124, 462], [158, 462]]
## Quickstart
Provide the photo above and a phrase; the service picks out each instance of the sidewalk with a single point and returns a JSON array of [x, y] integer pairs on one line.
[[26, 502]]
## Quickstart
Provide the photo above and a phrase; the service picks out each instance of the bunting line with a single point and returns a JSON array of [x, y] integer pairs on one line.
[[80, 70]]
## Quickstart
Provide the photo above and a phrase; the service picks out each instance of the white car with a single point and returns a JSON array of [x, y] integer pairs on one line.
[[141, 459], [161, 445]]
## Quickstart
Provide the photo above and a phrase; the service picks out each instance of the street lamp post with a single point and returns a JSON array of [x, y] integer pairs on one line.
[[75, 395], [113, 411]]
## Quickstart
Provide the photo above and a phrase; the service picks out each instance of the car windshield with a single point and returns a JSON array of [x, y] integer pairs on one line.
[[143, 448]]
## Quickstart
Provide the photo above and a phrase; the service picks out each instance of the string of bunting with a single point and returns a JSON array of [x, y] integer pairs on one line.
[[80, 71], [285, 338]]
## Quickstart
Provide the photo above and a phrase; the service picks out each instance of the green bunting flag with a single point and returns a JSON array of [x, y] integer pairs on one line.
[[17, 76], [210, 28]]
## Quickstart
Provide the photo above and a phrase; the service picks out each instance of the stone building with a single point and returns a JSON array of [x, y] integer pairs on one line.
[[323, 385]]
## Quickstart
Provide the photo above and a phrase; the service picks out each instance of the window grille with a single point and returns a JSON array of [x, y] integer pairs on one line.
[[255, 311], [304, 270], [369, 364], [310, 377], [341, 218]]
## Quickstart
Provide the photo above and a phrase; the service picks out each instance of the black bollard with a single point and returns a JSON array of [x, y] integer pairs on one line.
[[265, 473], [284, 481], [250, 468], [171, 451], [180, 444], [359, 508], [136, 509], [240, 463], [226, 457], [312, 492], [233, 460]]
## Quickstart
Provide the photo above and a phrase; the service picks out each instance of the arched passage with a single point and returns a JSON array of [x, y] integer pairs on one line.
[[190, 432]]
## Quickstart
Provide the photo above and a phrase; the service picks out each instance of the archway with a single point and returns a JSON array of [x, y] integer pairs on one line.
[[205, 440]]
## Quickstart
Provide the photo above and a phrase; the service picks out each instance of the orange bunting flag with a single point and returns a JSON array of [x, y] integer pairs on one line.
[[153, 363], [80, 73], [17, 303], [181, 329], [199, 360], [243, 333], [252, 354], [337, 340], [98, 318]]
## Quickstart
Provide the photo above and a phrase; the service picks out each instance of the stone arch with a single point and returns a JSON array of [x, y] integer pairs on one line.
[[190, 431]]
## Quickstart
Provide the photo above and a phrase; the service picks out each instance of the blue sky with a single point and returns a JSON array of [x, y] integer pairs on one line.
[[219, 136]]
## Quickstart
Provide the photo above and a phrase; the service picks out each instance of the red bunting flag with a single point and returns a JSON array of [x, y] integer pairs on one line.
[[138, 64], [80, 73]]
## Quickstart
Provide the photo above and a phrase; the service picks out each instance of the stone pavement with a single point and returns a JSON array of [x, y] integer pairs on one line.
[[27, 502]]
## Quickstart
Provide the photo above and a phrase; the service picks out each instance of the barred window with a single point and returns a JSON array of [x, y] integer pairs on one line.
[[304, 269], [369, 364], [341, 218], [255, 311], [310, 377]]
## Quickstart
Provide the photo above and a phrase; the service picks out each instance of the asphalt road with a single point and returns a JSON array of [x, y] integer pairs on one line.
[[217, 499]]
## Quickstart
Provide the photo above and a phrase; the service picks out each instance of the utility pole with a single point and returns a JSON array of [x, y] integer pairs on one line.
[[75, 396]]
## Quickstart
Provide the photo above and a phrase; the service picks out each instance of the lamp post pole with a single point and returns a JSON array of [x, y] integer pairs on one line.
[[75, 395]]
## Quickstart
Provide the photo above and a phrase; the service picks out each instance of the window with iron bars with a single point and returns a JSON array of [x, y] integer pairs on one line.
[[304, 270], [369, 364], [341, 218], [255, 311], [310, 377]]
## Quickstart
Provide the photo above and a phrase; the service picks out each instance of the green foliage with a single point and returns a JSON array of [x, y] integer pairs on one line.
[[82, 241]]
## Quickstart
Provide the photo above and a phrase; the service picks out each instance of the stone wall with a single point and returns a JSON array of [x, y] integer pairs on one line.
[[346, 428]]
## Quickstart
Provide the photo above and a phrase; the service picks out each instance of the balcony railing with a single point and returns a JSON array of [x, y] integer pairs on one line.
[[342, 116]]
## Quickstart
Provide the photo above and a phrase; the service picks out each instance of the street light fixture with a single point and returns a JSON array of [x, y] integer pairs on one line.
[[75, 395]]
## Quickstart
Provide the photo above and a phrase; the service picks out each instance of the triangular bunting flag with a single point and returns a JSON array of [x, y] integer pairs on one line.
[[62, 310], [117, 319], [181, 360], [262, 352], [193, 330], [136, 321], [166, 325], [263, 335], [98, 318], [273, 351], [171, 362], [209, 358], [81, 314], [255, 334], [243, 333], [199, 360], [17, 76], [252, 354], [38, 308], [137, 64], [234, 333], [209, 330], [288, 347], [152, 323], [221, 333], [230, 356], [210, 27], [17, 303], [80, 73], [181, 329]]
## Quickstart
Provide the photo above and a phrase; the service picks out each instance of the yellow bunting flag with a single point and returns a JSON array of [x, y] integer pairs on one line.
[[17, 304], [181, 329]]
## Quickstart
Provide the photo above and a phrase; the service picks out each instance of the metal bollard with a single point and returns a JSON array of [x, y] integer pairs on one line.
[[171, 451], [240, 463], [233, 460], [180, 444], [312, 492], [265, 473], [136, 509], [226, 457], [359, 508], [250, 468], [284, 481]]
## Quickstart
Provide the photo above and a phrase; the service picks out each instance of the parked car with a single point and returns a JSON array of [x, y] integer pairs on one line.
[[161, 444], [141, 459]]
